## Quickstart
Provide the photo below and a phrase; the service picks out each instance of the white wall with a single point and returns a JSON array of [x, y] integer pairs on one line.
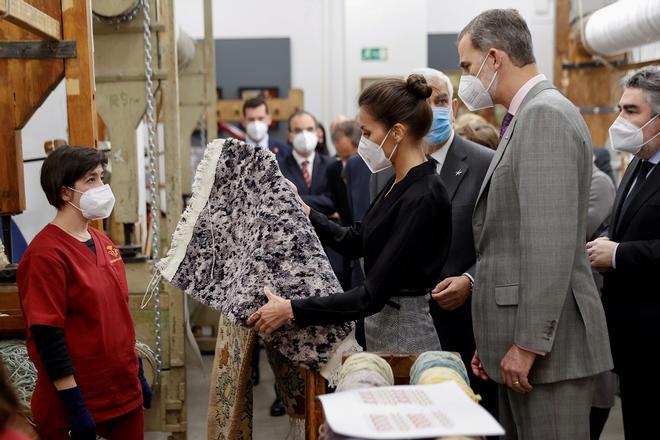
[[327, 36], [393, 24], [445, 18]]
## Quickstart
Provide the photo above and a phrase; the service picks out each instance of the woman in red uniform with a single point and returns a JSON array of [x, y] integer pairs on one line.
[[73, 290]]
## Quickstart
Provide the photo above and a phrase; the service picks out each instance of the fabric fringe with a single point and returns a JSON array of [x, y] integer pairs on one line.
[[201, 189], [330, 371], [4, 261], [296, 428]]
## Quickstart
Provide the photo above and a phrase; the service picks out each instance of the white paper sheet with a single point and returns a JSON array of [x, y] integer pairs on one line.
[[407, 412]]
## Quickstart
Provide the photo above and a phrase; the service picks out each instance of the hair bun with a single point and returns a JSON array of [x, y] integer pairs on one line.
[[417, 85]]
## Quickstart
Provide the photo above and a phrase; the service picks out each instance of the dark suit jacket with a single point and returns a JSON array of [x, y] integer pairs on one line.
[[357, 176], [280, 149], [338, 192], [631, 292], [318, 196], [462, 173]]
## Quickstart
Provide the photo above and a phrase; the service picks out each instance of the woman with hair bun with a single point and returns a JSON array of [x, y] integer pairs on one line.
[[404, 237]]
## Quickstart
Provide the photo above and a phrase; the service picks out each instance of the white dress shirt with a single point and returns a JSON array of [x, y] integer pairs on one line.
[[262, 143], [441, 154], [310, 161]]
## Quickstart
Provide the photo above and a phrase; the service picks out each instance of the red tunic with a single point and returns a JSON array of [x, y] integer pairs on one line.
[[63, 284]]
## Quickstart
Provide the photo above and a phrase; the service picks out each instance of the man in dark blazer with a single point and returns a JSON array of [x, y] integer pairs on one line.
[[256, 121], [462, 165], [628, 255], [306, 168]]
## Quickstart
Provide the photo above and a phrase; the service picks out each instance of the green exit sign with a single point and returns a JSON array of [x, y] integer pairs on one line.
[[374, 54]]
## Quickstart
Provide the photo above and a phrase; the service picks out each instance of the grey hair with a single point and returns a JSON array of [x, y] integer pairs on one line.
[[350, 129], [646, 79], [502, 29], [433, 75]]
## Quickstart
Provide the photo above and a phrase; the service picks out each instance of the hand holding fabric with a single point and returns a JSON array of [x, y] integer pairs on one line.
[[271, 316], [304, 205]]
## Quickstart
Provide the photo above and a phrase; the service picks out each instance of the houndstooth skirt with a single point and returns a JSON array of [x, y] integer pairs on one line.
[[408, 329]]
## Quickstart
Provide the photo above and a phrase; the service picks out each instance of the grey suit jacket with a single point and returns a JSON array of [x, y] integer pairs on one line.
[[533, 284]]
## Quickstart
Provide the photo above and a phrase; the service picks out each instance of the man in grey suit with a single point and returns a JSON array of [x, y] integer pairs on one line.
[[538, 321]]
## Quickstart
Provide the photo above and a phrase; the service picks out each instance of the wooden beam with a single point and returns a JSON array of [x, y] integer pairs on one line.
[[209, 68], [37, 49], [280, 108], [28, 17], [79, 74], [562, 18], [24, 85]]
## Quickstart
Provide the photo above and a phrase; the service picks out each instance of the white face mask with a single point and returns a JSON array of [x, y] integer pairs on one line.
[[305, 142], [471, 90], [257, 130], [96, 203], [373, 154], [627, 137]]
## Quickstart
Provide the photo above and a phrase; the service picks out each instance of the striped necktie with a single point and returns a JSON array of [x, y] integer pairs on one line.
[[305, 173], [505, 124]]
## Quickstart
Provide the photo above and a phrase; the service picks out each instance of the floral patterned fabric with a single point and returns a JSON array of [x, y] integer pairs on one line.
[[243, 230]]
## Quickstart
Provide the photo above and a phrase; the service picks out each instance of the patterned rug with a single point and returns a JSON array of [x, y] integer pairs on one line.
[[242, 230]]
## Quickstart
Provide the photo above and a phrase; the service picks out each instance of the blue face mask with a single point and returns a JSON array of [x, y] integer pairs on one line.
[[441, 128]]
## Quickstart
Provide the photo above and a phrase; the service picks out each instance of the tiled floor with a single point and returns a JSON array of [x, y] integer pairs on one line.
[[277, 428]]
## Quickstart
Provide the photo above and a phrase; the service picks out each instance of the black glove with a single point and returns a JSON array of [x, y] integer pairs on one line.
[[146, 389], [81, 422]]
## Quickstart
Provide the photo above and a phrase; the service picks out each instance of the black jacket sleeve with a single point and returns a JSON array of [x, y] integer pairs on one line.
[[52, 350], [421, 235], [345, 240]]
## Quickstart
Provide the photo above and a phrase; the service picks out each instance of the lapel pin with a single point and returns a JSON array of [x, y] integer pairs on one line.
[[459, 172]]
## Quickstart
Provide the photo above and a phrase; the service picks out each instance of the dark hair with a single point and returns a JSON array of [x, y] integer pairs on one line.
[[394, 100], [9, 404], [322, 145], [502, 29], [350, 129], [255, 102], [300, 113], [647, 79], [66, 165]]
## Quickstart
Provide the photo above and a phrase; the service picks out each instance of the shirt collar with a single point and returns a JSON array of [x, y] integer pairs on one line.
[[523, 91], [262, 143], [441, 154], [301, 159], [655, 158]]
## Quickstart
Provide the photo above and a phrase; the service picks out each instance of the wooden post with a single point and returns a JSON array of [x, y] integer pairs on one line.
[[176, 384], [209, 68], [562, 18], [314, 386], [79, 73]]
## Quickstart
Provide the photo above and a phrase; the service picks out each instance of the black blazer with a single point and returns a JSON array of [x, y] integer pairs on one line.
[[318, 196], [357, 175], [338, 192], [404, 239], [462, 173], [631, 292]]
